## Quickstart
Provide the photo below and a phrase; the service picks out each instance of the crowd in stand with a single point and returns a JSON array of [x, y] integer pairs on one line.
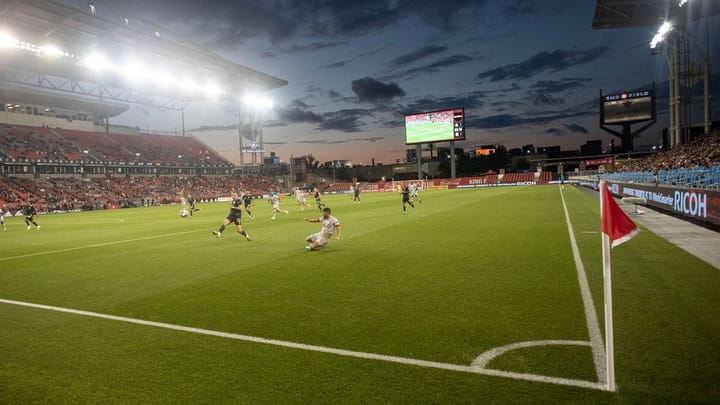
[[702, 152], [67, 194], [64, 144]]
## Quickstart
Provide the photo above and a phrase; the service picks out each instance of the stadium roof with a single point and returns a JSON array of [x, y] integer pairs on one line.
[[80, 32], [68, 101], [647, 13]]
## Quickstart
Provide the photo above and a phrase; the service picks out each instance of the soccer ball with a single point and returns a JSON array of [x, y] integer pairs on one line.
[[184, 213]]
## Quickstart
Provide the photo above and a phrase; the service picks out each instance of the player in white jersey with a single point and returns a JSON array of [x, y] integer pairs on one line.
[[3, 210], [330, 225], [275, 201], [414, 192], [300, 198]]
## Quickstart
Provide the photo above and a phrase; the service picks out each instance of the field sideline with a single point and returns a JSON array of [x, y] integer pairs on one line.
[[468, 272]]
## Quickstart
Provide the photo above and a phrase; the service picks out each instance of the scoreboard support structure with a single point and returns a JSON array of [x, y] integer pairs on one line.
[[625, 109]]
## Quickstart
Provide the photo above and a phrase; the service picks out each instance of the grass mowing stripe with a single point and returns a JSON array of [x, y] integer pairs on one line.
[[98, 245], [598, 347], [322, 349]]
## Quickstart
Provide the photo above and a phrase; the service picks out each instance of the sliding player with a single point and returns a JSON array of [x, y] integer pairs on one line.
[[233, 218], [330, 224]]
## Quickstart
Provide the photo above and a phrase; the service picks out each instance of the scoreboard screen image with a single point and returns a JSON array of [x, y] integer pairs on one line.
[[435, 126], [627, 107]]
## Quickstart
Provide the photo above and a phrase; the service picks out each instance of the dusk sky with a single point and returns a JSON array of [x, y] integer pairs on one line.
[[526, 71]]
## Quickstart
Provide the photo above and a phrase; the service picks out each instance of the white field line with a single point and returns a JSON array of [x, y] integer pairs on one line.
[[117, 242], [485, 358], [597, 344], [323, 349]]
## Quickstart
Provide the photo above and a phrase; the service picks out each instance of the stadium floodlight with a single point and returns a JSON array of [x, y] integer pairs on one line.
[[7, 40], [660, 36], [52, 51]]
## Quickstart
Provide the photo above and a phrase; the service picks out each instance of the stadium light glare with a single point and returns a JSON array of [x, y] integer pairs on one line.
[[682, 3], [161, 78], [188, 85], [257, 101], [7, 40], [212, 90], [660, 36], [52, 51], [96, 62], [133, 71]]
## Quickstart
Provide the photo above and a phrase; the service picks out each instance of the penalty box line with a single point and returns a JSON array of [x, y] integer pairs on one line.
[[117, 242], [474, 369]]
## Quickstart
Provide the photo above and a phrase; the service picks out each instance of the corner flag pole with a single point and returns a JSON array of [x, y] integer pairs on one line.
[[609, 340], [607, 278]]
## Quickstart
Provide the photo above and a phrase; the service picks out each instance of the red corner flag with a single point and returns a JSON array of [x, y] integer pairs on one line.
[[614, 222], [618, 228]]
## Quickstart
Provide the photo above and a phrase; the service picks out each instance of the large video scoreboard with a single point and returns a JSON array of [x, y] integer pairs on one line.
[[627, 107]]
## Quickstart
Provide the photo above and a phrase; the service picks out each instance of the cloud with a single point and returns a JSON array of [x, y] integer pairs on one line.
[[576, 128], [314, 46], [416, 55], [547, 99], [369, 90], [555, 61], [433, 67], [220, 23], [509, 120], [296, 114], [557, 86], [556, 131], [519, 8], [469, 101], [347, 120]]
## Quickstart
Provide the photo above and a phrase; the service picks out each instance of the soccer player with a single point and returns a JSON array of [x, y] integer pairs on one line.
[[191, 201], [414, 192], [30, 212], [318, 199], [352, 192], [330, 224], [300, 198], [275, 201], [247, 203], [233, 218], [356, 193], [406, 199], [3, 211]]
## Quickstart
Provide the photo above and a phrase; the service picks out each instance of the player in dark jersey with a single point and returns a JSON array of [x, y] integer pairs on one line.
[[247, 203], [356, 193], [406, 198], [233, 218], [30, 212], [318, 199], [191, 202]]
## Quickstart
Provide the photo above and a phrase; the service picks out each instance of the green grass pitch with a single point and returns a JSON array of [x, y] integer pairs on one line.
[[429, 132], [467, 272]]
